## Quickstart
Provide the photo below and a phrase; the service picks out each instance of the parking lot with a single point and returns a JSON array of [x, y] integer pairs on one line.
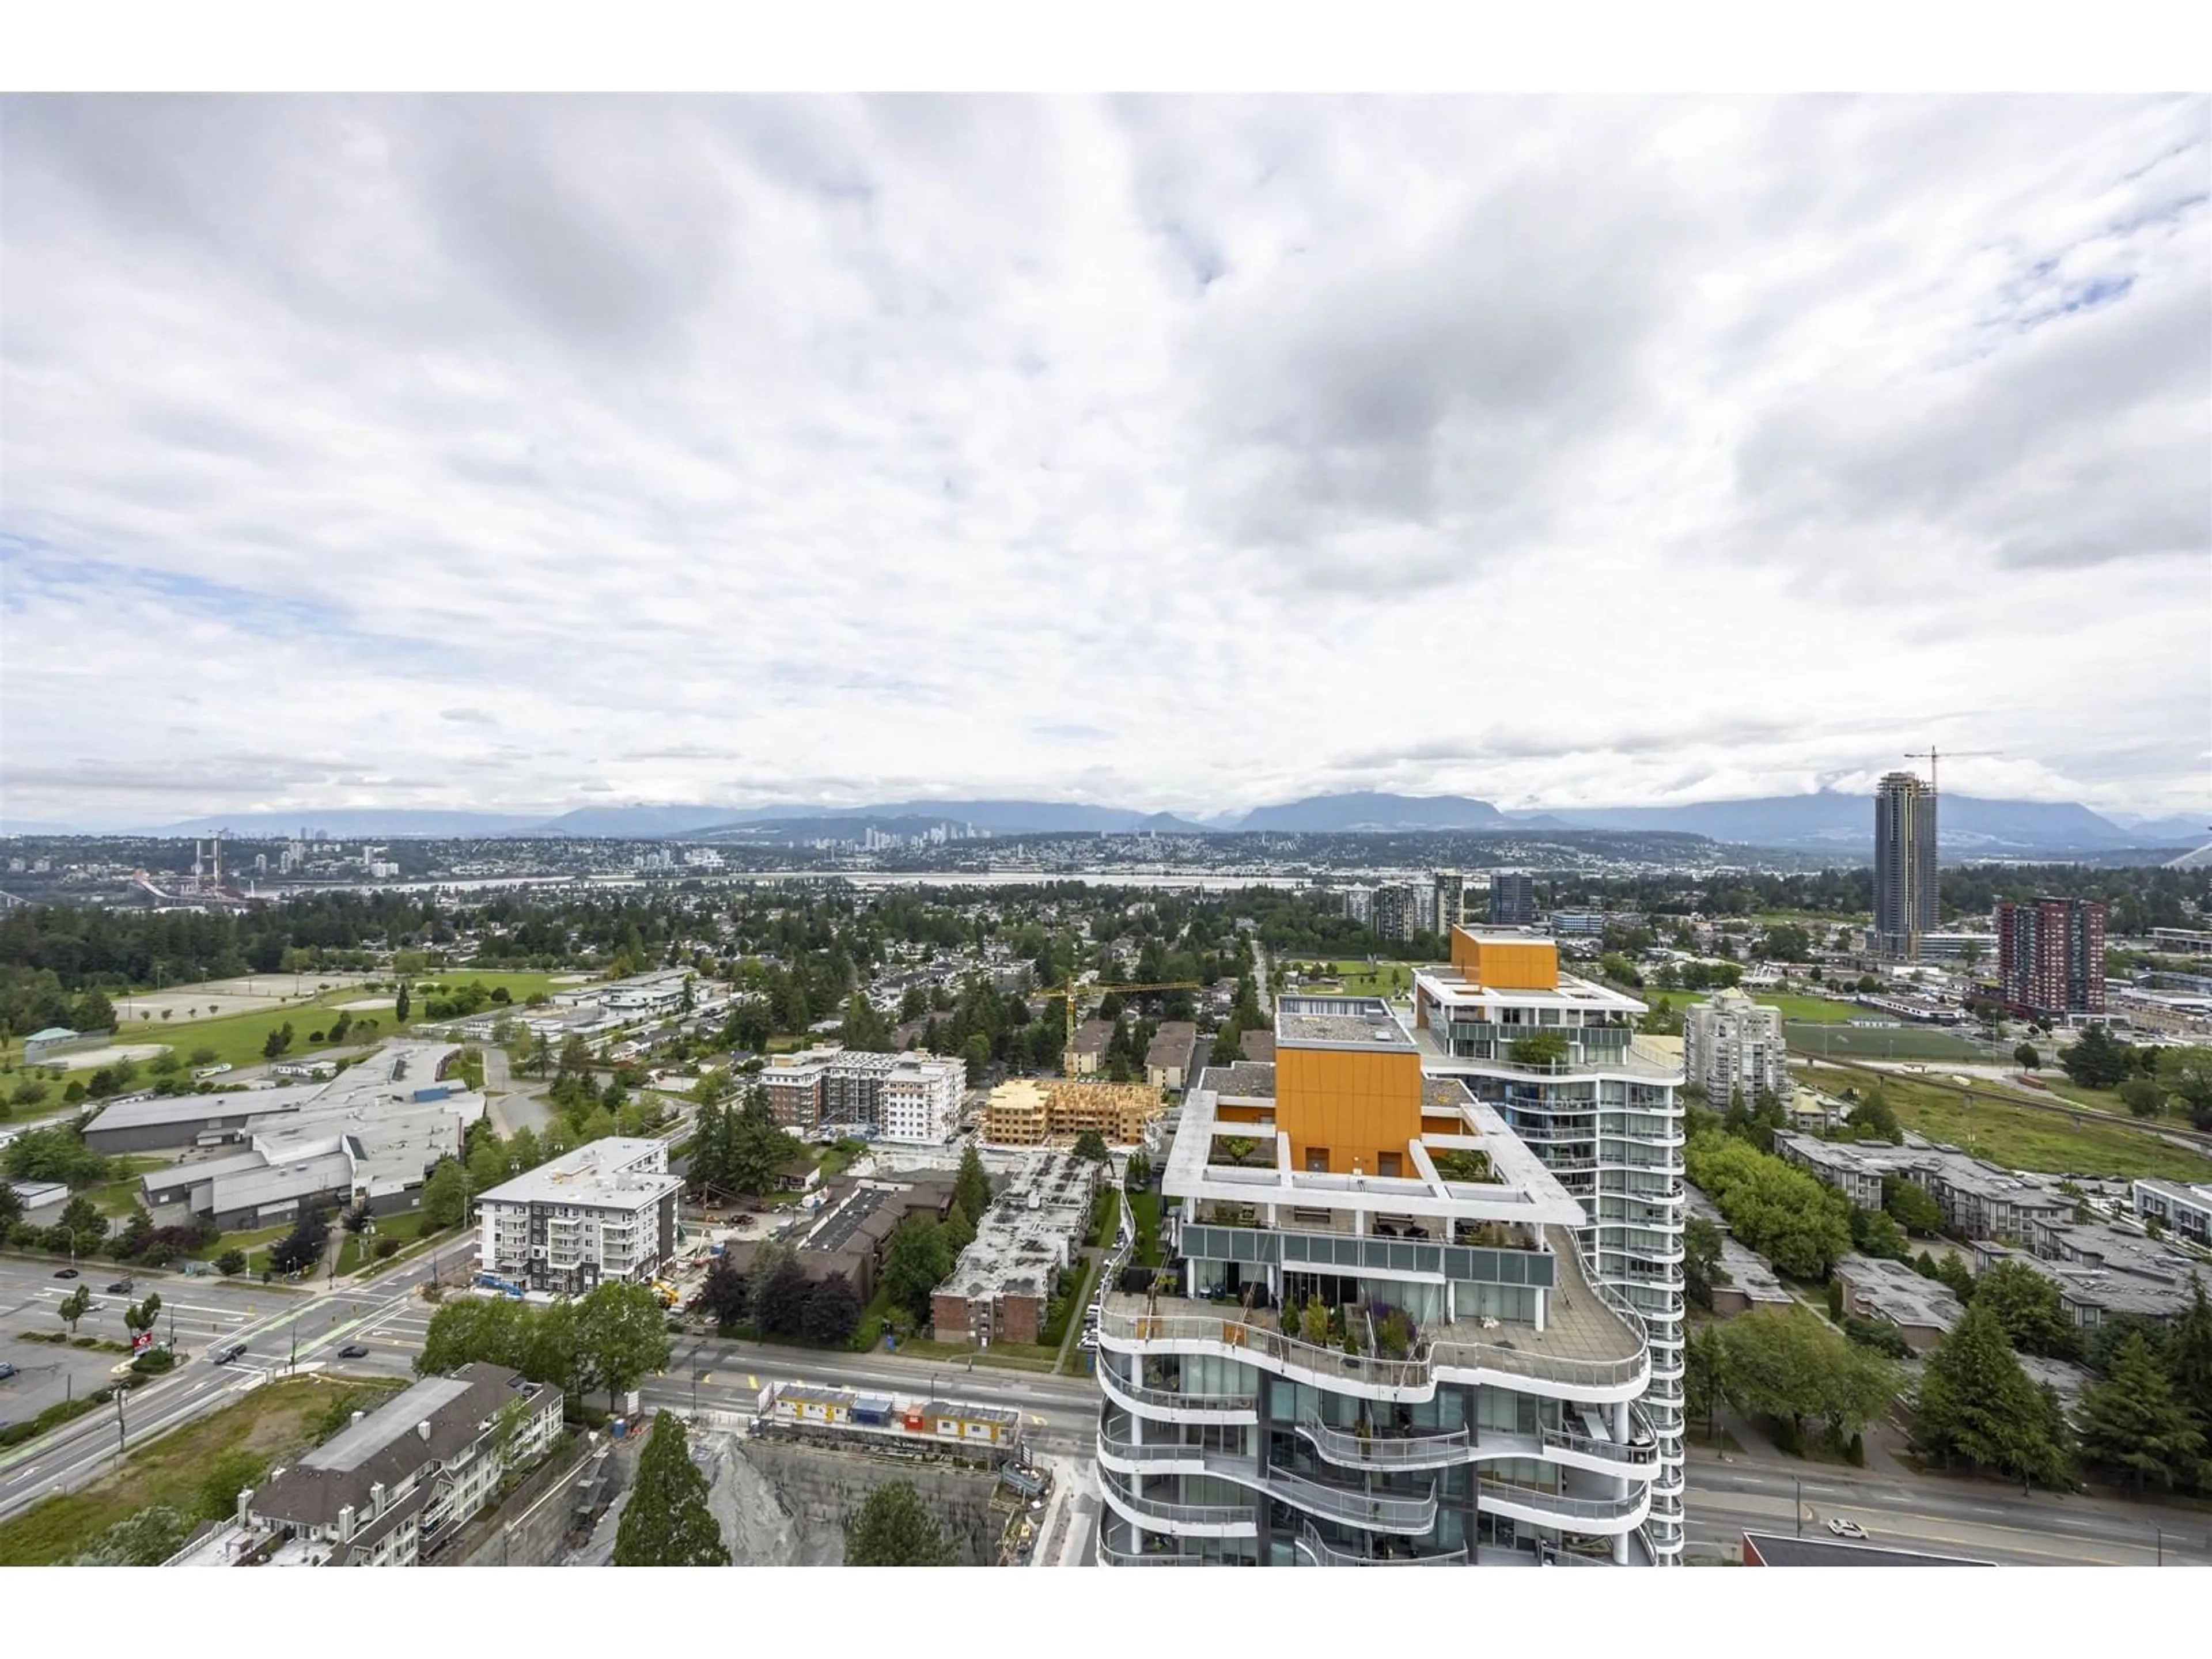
[[46, 1373]]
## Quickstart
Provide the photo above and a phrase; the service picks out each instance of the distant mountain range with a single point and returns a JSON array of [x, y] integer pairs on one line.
[[1826, 822]]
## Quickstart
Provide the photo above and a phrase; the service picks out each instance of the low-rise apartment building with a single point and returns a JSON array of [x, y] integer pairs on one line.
[[397, 1483], [1923, 1309], [1086, 1055], [1000, 1288], [910, 1099], [606, 1212], [2101, 1271], [1979, 1200], [1171, 1055], [2184, 1211]]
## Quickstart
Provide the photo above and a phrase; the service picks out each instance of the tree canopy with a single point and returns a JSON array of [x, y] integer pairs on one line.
[[666, 1522], [1978, 1407], [894, 1529], [1798, 1223]]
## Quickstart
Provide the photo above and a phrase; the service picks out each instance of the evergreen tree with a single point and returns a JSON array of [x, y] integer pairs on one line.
[[971, 1188], [893, 1529], [666, 1523], [401, 1005], [1977, 1406], [2189, 1365], [2132, 1424]]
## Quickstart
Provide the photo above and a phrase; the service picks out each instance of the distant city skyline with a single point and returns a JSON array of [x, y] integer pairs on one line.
[[519, 453]]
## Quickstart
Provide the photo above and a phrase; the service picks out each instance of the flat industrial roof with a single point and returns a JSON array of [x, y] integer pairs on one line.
[[602, 1172]]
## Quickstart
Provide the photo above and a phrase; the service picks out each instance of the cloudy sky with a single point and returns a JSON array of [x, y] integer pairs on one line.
[[521, 453]]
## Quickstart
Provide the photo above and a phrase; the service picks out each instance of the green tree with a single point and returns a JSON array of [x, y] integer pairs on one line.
[[1798, 1224], [1875, 1119], [1978, 1407], [666, 1522], [959, 1232], [1787, 1364], [1091, 1145], [893, 1529], [833, 1311], [2188, 1075], [230, 1263], [443, 1198], [2133, 1425], [1706, 1355], [230, 1474], [75, 1306], [2025, 1057], [1701, 1260], [723, 1295], [1543, 1049], [1911, 1207], [621, 1336], [2143, 1097], [2095, 1061], [146, 1538], [915, 1262], [975, 1055], [402, 1006], [971, 1188], [780, 1309], [272, 1046], [2027, 1305]]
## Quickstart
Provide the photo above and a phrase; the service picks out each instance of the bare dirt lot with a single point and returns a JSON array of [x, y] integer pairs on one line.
[[212, 999]]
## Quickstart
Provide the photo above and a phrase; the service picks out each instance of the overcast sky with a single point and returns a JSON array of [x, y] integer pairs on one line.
[[523, 453]]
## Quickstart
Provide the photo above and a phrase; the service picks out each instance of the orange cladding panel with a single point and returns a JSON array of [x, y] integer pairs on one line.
[[1507, 964], [1356, 1103]]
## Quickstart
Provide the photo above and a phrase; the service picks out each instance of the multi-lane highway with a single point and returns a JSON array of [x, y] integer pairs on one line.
[[279, 1329], [388, 1319], [1943, 1516]]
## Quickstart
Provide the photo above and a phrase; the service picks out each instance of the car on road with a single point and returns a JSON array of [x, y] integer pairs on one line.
[[223, 1357], [7, 1371], [65, 1273], [352, 1351], [1844, 1529], [121, 1287]]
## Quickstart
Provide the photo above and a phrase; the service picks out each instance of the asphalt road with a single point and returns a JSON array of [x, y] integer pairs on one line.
[[512, 1104], [303, 1326], [1947, 1516], [1060, 1415]]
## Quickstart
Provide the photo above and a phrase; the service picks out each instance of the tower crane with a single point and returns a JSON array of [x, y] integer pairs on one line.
[[1070, 992], [1928, 755]]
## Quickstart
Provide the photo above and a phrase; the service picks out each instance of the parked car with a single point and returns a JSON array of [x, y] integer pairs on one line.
[[352, 1351], [65, 1273], [1844, 1529]]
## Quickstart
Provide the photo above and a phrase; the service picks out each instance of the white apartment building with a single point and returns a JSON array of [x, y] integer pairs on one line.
[[2186, 1210], [1730, 1042], [1604, 1115], [911, 1098], [1385, 1345], [605, 1212], [918, 1100]]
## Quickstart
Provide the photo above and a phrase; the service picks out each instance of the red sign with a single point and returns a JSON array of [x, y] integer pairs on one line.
[[142, 1341]]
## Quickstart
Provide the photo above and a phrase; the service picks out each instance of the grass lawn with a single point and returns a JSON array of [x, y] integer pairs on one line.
[[871, 1333], [1900, 1043], [1144, 1208], [1814, 1011], [1355, 978], [117, 1197], [272, 1423], [1017, 1355], [2027, 1136]]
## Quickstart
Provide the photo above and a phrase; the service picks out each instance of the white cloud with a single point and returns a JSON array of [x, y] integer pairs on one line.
[[1187, 453]]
